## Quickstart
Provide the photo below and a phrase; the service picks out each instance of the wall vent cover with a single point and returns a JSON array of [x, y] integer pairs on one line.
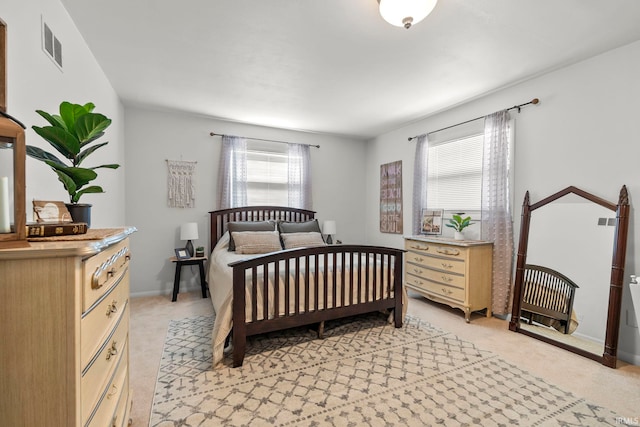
[[51, 45]]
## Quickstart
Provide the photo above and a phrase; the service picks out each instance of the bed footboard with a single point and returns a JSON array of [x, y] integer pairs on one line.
[[548, 293], [310, 285]]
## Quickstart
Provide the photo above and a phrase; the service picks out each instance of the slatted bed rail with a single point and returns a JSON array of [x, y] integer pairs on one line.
[[310, 285], [548, 293]]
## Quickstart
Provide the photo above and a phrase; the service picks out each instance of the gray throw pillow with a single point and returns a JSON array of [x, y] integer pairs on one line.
[[299, 227], [248, 226]]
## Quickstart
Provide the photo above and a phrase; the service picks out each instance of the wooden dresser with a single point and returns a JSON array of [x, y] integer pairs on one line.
[[64, 355], [453, 272]]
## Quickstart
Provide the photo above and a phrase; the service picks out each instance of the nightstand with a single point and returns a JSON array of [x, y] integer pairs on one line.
[[199, 261]]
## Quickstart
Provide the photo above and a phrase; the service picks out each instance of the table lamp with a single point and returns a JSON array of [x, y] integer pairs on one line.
[[329, 228], [189, 232]]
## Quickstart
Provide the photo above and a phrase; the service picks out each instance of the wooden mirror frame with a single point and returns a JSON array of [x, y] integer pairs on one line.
[[609, 357]]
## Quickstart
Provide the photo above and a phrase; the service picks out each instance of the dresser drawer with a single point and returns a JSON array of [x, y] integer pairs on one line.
[[444, 264], [435, 288], [98, 323], [435, 249], [102, 271], [122, 415], [100, 369], [112, 405]]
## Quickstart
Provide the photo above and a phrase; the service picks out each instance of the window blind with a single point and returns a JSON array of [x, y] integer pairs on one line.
[[454, 180]]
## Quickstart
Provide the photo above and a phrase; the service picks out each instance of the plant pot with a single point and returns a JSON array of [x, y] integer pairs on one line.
[[458, 235], [80, 212]]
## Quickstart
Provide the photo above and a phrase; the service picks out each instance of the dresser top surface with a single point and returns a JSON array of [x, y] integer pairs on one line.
[[75, 245], [445, 241]]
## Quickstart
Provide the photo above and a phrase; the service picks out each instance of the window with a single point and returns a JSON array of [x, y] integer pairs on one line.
[[454, 180], [267, 174], [255, 172]]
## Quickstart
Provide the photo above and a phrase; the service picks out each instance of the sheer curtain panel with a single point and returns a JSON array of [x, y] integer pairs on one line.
[[299, 180], [497, 223], [420, 181], [232, 178]]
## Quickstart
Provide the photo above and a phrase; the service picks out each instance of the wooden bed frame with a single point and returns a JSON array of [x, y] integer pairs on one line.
[[547, 293], [311, 304]]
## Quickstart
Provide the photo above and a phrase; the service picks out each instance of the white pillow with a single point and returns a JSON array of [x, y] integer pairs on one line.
[[299, 240], [256, 242]]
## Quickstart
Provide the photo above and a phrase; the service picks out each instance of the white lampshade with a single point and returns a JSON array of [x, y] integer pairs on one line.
[[329, 227], [189, 231], [405, 13]]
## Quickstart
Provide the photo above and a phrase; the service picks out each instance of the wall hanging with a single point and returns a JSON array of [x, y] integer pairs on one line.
[[391, 197], [181, 192]]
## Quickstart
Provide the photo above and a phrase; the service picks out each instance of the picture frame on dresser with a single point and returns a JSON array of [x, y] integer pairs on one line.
[[431, 221]]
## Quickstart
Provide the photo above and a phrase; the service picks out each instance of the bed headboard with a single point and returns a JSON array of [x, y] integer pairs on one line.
[[220, 218]]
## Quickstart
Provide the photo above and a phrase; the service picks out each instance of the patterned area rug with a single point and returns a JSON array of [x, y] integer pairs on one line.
[[364, 372]]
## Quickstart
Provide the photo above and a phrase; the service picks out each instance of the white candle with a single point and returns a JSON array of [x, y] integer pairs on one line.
[[5, 217]]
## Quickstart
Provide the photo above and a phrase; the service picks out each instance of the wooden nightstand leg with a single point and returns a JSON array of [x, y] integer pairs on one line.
[[176, 282], [203, 283]]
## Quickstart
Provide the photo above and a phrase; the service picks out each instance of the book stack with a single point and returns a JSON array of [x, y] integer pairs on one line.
[[56, 229]]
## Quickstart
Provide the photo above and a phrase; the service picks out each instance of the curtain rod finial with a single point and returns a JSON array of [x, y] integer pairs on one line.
[[534, 101]]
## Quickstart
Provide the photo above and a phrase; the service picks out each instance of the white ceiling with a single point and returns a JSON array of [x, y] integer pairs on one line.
[[334, 65]]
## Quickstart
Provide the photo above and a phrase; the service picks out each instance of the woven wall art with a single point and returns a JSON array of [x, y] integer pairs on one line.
[[181, 192]]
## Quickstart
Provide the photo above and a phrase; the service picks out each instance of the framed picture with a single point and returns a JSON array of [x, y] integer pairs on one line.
[[181, 253], [432, 221]]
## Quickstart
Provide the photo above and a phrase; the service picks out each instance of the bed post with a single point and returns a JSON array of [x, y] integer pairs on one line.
[[398, 287], [239, 329]]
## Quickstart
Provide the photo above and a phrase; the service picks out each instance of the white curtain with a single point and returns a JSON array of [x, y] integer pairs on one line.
[[420, 181], [232, 174], [299, 182], [497, 223]]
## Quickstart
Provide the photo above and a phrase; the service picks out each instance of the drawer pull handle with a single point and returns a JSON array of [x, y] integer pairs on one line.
[[420, 248], [419, 259], [109, 268], [112, 351], [112, 308], [448, 266], [114, 390], [446, 278], [447, 251], [417, 271], [447, 291]]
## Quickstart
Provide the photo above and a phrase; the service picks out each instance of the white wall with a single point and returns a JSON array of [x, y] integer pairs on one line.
[[583, 133], [338, 172], [35, 82]]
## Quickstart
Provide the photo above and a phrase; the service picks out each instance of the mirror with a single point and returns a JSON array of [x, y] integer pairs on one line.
[[563, 267]]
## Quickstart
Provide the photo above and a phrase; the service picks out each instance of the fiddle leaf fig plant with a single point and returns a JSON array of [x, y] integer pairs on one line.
[[458, 223], [71, 134]]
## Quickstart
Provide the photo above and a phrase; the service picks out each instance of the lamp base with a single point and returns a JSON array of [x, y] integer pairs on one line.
[[329, 240], [189, 248]]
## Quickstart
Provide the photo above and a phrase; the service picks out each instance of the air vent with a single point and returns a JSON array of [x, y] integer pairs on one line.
[[51, 45]]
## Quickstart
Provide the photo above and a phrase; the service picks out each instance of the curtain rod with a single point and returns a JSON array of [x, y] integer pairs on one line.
[[534, 101], [268, 140]]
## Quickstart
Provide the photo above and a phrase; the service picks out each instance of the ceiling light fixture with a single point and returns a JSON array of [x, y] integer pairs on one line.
[[405, 13]]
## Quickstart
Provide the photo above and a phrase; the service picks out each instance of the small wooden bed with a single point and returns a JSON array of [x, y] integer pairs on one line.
[[548, 297], [302, 286]]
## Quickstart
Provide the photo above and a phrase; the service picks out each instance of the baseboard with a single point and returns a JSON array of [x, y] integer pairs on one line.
[[158, 292], [631, 358]]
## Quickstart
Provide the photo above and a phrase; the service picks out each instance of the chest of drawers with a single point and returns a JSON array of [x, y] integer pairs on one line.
[[64, 355], [453, 272]]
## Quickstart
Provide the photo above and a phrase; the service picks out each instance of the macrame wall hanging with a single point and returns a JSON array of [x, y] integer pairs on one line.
[[180, 184]]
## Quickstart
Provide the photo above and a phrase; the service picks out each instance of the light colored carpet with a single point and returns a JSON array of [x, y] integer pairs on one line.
[[364, 373]]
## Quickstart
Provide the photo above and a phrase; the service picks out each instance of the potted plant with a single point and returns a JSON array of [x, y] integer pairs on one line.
[[458, 224], [73, 134]]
